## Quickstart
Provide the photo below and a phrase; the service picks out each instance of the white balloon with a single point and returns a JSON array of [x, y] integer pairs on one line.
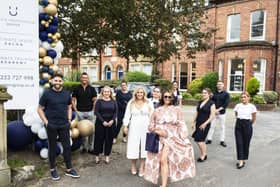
[[71, 141], [60, 147], [42, 133], [46, 45], [41, 9], [40, 43], [55, 61], [27, 119], [35, 128], [41, 91], [59, 47], [44, 153]]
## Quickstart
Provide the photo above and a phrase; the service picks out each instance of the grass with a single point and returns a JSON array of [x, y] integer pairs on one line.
[[16, 163]]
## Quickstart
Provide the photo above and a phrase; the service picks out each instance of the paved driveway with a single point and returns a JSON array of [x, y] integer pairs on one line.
[[262, 169]]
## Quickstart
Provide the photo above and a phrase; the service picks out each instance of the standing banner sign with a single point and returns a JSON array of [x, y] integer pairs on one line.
[[19, 43]]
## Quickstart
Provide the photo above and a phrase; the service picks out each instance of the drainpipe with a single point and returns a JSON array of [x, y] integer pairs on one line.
[[214, 41], [276, 49]]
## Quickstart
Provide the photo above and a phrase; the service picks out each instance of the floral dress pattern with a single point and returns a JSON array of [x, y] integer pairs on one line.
[[180, 151]]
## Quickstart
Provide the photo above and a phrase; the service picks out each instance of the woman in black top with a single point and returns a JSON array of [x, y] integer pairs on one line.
[[122, 97], [106, 113], [205, 113]]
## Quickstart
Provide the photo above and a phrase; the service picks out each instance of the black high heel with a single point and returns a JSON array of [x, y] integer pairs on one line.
[[238, 166], [202, 160]]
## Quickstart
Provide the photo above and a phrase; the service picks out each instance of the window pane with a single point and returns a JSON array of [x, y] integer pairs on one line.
[[257, 24], [237, 75], [183, 76], [233, 27]]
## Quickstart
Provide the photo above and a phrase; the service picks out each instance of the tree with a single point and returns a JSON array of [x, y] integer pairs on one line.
[[157, 29]]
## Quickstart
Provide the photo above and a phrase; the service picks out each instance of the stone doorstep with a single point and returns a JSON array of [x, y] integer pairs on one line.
[[5, 177]]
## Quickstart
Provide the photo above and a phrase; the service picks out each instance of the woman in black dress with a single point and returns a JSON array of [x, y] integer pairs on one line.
[[106, 112], [205, 113]]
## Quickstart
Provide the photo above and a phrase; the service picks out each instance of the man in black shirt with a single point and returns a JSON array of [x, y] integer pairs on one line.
[[83, 98], [55, 111], [221, 99]]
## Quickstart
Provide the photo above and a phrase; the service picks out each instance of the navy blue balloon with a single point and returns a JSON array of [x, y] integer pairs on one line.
[[51, 72], [41, 27], [73, 115], [45, 69], [77, 142], [49, 40], [52, 29], [44, 2], [46, 80], [38, 145], [51, 53], [42, 16], [43, 36], [42, 82], [18, 135], [57, 150], [54, 21]]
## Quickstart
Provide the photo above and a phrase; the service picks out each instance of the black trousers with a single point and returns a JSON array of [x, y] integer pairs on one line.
[[243, 134], [103, 139], [64, 137], [119, 124]]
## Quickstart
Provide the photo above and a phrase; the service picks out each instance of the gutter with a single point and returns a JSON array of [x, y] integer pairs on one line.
[[276, 49]]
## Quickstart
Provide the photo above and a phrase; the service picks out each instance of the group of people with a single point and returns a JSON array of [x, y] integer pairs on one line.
[[161, 115]]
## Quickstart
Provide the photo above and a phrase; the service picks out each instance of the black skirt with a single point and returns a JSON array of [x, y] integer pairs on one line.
[[200, 135]]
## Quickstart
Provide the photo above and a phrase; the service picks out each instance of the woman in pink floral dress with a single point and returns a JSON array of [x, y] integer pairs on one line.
[[175, 158]]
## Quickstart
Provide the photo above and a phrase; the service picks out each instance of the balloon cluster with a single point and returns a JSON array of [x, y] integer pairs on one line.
[[50, 46], [31, 119], [82, 128]]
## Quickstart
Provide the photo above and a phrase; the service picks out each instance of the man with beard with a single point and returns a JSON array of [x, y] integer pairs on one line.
[[55, 111], [83, 98]]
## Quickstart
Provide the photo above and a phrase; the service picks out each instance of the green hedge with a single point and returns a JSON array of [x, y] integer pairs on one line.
[[186, 95], [137, 76], [68, 85], [197, 96], [111, 83], [258, 99], [270, 97], [235, 97], [253, 86], [195, 86], [209, 80]]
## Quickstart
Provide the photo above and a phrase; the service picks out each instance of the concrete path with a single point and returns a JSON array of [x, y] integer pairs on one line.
[[262, 169]]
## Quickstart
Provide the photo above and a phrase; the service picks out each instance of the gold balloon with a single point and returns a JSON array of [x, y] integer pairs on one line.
[[47, 24], [53, 44], [75, 133], [40, 60], [47, 60], [46, 75], [85, 127], [58, 35], [54, 2], [73, 124], [47, 85], [54, 68], [54, 37], [43, 22], [50, 35], [51, 9], [42, 52]]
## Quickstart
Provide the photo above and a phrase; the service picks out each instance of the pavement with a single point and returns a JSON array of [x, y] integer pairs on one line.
[[261, 170]]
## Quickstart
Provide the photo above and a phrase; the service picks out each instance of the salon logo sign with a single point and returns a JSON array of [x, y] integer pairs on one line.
[[13, 10]]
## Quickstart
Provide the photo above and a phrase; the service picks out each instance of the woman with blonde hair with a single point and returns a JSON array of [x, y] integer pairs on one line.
[[106, 112], [137, 117], [245, 113]]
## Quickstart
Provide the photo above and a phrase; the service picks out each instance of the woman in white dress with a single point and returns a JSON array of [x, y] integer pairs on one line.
[[136, 121]]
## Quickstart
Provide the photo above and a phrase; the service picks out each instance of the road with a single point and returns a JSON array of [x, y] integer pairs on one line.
[[261, 170]]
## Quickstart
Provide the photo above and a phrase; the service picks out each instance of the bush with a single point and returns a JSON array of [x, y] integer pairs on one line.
[[209, 80], [137, 76], [253, 86], [270, 97], [111, 83], [198, 96], [195, 86], [68, 85], [163, 84], [186, 95], [258, 99], [73, 76], [235, 97]]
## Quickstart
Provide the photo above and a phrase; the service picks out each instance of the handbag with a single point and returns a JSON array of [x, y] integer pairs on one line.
[[152, 142]]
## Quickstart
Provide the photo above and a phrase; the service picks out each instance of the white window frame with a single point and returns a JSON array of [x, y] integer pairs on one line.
[[120, 69], [220, 69], [229, 27], [263, 71], [264, 26], [108, 50]]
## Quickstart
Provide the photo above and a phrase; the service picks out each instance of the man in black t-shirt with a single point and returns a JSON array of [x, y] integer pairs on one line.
[[55, 111], [83, 98]]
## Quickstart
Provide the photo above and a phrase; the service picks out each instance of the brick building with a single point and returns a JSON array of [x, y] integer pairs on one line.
[[245, 45]]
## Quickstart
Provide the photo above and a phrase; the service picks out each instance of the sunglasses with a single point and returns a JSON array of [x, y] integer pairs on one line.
[[167, 96]]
